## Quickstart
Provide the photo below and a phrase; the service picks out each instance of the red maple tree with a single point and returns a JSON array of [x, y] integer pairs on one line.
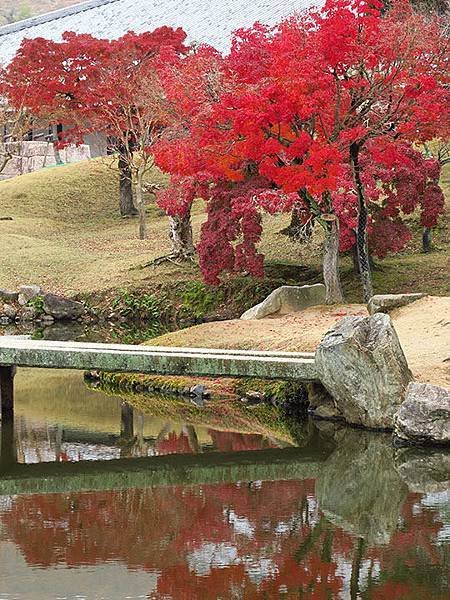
[[97, 86], [302, 109]]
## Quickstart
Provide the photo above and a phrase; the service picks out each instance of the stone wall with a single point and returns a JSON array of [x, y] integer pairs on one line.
[[32, 156]]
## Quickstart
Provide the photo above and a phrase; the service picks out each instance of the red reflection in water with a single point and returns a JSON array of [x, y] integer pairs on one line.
[[248, 540]]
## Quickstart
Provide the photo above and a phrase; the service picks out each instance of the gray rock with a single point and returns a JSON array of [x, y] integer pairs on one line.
[[424, 416], [28, 292], [321, 404], [287, 299], [8, 296], [385, 302], [424, 471], [197, 390], [4, 321], [62, 308], [28, 313], [359, 489], [361, 364], [9, 311]]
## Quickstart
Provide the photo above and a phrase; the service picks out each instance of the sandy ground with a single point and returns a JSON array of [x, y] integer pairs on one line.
[[423, 328], [424, 331]]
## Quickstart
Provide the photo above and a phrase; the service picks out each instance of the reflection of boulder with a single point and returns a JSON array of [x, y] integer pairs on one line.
[[359, 488], [62, 332], [424, 471]]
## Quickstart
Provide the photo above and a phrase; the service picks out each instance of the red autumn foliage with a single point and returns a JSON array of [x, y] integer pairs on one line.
[[291, 101], [94, 85]]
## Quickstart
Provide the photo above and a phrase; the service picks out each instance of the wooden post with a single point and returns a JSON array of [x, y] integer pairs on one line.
[[127, 440], [8, 449], [127, 424]]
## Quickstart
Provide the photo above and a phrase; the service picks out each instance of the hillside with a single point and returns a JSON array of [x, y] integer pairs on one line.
[[16, 10], [67, 236]]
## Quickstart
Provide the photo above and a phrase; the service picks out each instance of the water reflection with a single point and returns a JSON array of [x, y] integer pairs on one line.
[[344, 516]]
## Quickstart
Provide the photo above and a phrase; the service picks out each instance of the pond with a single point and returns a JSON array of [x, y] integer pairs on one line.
[[238, 508]]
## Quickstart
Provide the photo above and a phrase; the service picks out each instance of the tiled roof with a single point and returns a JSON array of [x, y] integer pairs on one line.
[[210, 21]]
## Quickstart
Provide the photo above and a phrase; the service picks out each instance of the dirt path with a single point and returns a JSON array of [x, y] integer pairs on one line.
[[423, 328]]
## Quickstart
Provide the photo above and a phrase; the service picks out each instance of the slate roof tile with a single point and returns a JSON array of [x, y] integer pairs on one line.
[[210, 21]]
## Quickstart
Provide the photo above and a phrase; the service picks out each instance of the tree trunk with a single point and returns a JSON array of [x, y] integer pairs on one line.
[[355, 261], [361, 231], [181, 237], [127, 208], [426, 239], [331, 264], [297, 230], [140, 203]]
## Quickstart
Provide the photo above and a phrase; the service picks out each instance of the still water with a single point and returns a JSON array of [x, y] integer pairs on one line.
[[251, 510]]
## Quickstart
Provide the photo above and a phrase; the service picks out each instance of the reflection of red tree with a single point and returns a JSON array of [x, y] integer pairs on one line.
[[228, 441], [174, 444], [253, 540]]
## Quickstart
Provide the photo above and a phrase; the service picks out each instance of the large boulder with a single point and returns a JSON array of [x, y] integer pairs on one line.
[[424, 416], [28, 292], [287, 299], [361, 364], [386, 302], [62, 308]]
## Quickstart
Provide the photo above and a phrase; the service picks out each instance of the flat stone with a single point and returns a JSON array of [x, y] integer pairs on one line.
[[62, 308], [28, 292], [287, 299], [384, 303], [362, 365], [424, 416], [9, 296]]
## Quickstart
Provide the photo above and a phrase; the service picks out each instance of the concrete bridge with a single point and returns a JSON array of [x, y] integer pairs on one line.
[[146, 359], [208, 468]]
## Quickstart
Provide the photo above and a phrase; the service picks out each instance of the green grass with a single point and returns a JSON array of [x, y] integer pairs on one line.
[[67, 236]]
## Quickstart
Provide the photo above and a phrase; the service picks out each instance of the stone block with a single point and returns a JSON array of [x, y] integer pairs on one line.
[[287, 299], [383, 303]]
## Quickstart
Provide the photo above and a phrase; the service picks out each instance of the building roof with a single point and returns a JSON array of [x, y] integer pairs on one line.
[[208, 21]]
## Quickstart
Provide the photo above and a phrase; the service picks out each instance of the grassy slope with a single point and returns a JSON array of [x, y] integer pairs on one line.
[[67, 236]]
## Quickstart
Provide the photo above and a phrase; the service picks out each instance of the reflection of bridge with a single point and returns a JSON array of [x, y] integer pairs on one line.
[[170, 470], [211, 468]]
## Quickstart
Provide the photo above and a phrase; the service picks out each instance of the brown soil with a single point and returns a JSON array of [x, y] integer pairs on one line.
[[423, 328]]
